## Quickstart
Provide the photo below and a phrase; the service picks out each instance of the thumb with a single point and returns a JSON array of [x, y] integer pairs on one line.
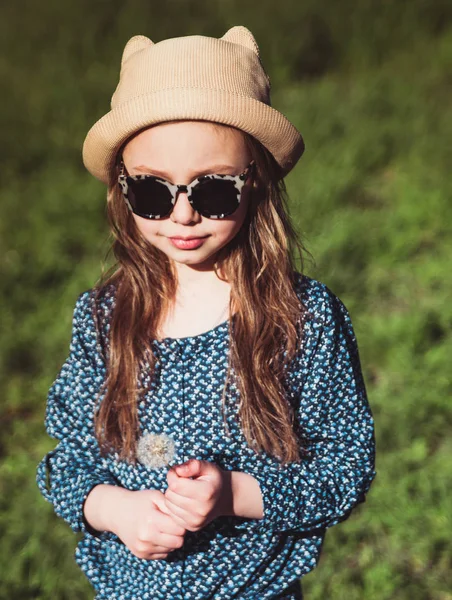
[[191, 468], [159, 502]]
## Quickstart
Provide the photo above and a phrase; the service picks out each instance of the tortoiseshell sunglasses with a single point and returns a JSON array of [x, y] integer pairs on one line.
[[212, 196]]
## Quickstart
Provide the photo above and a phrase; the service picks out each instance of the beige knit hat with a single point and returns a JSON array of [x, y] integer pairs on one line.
[[194, 78]]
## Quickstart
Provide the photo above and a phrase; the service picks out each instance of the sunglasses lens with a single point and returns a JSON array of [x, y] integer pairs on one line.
[[149, 197], [215, 197]]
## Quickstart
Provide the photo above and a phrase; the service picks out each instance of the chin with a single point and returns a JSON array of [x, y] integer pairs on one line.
[[194, 261]]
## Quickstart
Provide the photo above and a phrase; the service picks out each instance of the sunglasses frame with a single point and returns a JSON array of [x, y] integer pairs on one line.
[[125, 180]]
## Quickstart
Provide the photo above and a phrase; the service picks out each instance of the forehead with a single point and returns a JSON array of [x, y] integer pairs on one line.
[[195, 143]]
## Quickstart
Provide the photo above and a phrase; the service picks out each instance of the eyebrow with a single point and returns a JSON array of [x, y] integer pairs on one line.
[[215, 169]]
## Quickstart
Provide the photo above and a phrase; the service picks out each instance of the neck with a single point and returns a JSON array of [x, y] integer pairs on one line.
[[190, 278]]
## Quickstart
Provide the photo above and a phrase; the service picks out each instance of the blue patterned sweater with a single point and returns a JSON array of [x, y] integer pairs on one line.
[[231, 557]]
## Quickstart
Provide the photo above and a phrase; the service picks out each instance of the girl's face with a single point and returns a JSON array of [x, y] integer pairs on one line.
[[180, 152]]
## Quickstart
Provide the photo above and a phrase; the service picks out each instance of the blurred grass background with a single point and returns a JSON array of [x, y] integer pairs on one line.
[[369, 84]]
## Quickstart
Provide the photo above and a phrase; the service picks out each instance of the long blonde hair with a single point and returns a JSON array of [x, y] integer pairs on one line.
[[260, 265]]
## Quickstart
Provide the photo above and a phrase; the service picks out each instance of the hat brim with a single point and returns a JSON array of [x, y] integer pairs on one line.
[[267, 125]]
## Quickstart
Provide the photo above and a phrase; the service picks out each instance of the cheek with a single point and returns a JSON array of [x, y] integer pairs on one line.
[[147, 227], [243, 208], [228, 228]]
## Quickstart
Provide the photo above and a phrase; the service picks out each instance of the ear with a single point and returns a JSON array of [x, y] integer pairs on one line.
[[242, 36], [136, 43]]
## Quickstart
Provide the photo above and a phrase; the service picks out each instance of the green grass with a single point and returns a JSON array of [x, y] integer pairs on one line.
[[371, 92]]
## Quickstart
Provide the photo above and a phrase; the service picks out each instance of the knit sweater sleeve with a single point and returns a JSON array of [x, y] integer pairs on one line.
[[66, 475], [337, 430]]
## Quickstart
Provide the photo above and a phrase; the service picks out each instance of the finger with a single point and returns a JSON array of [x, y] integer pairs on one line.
[[179, 516], [164, 509], [161, 543], [160, 502], [157, 541], [179, 512], [176, 476], [189, 488], [183, 502], [158, 556], [165, 521], [191, 468], [182, 523], [177, 482], [158, 549], [171, 476], [169, 542], [166, 524], [200, 494], [189, 520]]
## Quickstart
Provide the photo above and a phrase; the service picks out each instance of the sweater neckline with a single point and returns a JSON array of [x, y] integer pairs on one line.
[[194, 340]]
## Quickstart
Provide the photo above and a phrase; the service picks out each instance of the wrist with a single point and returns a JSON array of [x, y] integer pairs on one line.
[[246, 497], [101, 506]]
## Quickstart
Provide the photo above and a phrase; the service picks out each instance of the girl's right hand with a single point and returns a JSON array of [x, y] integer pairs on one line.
[[140, 519]]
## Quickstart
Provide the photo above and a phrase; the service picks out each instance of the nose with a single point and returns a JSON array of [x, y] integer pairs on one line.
[[183, 212]]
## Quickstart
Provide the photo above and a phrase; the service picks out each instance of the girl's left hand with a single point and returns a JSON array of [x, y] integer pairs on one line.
[[198, 492]]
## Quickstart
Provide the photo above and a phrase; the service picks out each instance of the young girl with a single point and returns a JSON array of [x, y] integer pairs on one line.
[[212, 417]]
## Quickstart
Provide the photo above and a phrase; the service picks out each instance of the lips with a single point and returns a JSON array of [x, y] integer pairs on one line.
[[179, 237], [188, 243]]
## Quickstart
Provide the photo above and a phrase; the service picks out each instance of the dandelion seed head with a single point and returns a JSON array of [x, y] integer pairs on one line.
[[155, 450]]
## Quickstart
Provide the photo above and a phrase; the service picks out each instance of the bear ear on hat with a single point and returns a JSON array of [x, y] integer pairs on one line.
[[135, 44], [243, 36]]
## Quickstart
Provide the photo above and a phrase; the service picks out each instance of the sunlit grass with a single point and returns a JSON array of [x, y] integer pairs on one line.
[[372, 200]]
